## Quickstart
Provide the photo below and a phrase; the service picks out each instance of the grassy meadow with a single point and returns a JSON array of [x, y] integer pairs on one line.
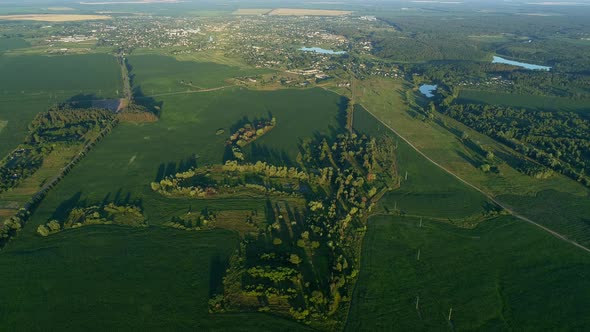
[[503, 275], [385, 100], [428, 191]]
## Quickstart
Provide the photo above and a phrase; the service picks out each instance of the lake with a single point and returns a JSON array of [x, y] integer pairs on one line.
[[321, 50], [427, 90], [498, 59]]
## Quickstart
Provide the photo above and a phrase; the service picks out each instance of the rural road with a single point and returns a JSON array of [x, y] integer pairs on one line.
[[490, 197]]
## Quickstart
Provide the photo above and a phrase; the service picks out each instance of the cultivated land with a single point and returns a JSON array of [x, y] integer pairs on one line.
[[307, 12], [154, 74], [187, 121], [434, 240], [31, 84], [53, 17], [504, 274], [168, 286]]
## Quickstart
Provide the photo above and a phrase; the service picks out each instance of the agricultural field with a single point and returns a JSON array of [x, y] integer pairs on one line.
[[187, 120], [541, 103], [234, 182], [59, 77], [31, 84], [502, 275], [156, 278], [155, 74]]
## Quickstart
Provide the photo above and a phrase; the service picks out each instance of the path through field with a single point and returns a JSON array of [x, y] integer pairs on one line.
[[490, 197]]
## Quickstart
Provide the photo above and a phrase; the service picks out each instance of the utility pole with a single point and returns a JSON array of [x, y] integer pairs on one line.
[[406, 175], [450, 313], [418, 257], [417, 302]]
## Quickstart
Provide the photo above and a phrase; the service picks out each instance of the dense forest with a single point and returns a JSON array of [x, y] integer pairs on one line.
[[559, 140]]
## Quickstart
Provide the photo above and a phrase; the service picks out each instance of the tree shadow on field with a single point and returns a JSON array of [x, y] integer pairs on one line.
[[122, 199], [150, 104], [173, 167], [342, 104], [261, 152], [217, 268], [63, 210], [468, 159]]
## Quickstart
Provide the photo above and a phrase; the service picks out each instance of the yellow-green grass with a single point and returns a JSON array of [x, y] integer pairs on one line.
[[503, 275], [427, 191], [112, 278]]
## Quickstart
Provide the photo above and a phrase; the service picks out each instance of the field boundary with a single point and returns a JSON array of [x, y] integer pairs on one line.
[[487, 195]]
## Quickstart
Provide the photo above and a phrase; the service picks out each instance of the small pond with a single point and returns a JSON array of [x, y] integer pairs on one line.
[[428, 90]]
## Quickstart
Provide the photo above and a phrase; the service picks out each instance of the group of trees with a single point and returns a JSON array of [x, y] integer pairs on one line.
[[108, 214], [194, 221], [274, 271], [248, 133], [57, 126], [558, 140]]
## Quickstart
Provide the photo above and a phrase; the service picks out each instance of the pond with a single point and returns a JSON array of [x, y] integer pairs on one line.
[[427, 90], [525, 65], [321, 50]]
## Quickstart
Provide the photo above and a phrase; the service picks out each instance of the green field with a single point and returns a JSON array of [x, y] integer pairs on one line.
[[59, 77], [116, 278], [503, 275], [120, 169], [7, 44], [541, 103], [32, 84], [157, 74], [428, 190], [16, 116], [132, 155]]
